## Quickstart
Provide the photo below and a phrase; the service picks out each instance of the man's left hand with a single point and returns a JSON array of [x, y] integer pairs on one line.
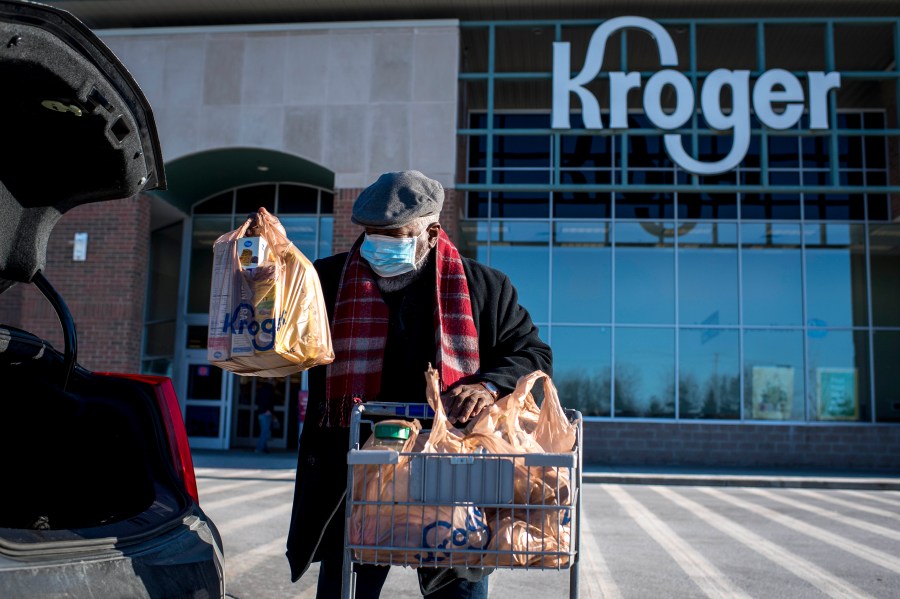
[[466, 401]]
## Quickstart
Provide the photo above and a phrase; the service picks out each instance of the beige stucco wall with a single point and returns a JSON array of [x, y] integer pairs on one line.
[[359, 98]]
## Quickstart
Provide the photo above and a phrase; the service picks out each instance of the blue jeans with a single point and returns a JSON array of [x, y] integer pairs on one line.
[[370, 579], [265, 431], [462, 589]]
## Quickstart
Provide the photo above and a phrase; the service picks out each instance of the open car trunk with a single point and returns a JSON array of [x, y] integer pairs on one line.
[[90, 461], [81, 452], [98, 492], [76, 126]]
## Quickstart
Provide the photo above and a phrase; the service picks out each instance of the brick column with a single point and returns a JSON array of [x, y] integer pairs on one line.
[[345, 232], [106, 292], [450, 214]]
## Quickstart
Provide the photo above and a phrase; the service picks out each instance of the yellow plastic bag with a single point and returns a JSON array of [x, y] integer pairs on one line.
[[267, 313]]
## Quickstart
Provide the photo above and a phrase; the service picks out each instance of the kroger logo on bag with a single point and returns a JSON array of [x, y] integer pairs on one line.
[[775, 86], [262, 334], [441, 535]]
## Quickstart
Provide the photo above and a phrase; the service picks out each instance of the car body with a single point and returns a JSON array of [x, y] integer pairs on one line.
[[99, 496]]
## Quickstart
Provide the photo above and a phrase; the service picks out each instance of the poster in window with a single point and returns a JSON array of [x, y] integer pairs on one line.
[[772, 392], [836, 394]]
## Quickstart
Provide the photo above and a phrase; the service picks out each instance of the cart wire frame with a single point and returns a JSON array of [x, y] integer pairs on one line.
[[479, 485]]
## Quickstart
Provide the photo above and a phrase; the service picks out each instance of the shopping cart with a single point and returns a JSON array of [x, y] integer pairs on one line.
[[476, 510]]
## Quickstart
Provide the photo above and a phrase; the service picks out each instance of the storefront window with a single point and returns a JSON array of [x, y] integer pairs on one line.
[[311, 234], [835, 275], [521, 249], [250, 199], [645, 273], [884, 249], [326, 237], [162, 300], [773, 375], [581, 359], [838, 375], [582, 266], [645, 372], [772, 278], [302, 231], [709, 378], [768, 285], [473, 242], [206, 230], [708, 274]]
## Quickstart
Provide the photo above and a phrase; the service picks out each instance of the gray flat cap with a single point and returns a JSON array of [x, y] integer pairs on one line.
[[396, 199]]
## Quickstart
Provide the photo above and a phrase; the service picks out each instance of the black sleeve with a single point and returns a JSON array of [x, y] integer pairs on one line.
[[509, 345], [329, 270]]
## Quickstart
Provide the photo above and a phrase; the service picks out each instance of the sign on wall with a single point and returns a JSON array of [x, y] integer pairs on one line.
[[773, 87]]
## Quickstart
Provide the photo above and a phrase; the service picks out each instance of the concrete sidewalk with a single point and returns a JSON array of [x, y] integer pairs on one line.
[[622, 475]]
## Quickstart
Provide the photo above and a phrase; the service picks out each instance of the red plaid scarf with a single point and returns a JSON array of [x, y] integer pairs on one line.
[[360, 329]]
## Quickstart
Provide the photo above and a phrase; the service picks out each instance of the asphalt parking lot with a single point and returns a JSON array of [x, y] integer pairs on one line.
[[687, 537]]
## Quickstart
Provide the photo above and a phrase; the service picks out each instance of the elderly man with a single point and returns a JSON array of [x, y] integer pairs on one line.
[[402, 298]]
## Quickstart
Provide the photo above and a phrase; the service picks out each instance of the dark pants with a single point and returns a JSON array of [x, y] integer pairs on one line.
[[370, 579]]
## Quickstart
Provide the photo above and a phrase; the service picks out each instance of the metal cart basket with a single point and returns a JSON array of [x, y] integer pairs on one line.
[[476, 510]]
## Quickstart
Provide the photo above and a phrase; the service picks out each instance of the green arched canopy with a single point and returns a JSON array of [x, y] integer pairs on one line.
[[197, 176]]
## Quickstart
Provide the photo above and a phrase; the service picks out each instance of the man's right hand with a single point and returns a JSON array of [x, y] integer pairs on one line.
[[466, 401]]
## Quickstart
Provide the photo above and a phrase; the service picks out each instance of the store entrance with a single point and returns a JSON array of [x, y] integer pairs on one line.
[[289, 406], [206, 402]]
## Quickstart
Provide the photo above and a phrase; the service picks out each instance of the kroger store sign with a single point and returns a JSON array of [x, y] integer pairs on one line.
[[775, 86]]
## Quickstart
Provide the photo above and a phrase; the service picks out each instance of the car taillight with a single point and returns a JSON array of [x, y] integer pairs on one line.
[[179, 449], [178, 441]]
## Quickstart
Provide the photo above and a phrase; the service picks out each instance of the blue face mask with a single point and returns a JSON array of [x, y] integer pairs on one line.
[[389, 256]]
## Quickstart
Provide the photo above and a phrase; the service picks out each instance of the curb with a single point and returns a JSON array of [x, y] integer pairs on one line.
[[785, 482], [211, 459]]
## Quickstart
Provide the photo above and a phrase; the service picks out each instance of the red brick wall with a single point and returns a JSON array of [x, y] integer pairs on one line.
[[345, 232], [105, 293], [451, 213], [864, 447]]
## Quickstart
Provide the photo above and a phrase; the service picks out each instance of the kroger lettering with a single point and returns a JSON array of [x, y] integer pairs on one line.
[[475, 527], [775, 86], [243, 320]]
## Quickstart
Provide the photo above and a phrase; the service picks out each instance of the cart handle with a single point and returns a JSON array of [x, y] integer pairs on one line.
[[404, 410]]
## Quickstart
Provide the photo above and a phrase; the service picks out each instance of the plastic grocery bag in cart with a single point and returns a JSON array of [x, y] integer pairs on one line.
[[518, 420], [539, 535], [397, 529], [267, 313]]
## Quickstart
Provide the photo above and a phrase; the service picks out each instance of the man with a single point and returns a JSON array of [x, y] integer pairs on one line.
[[402, 298], [265, 401]]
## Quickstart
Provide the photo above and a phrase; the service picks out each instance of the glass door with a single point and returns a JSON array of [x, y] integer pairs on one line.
[[207, 405], [288, 407]]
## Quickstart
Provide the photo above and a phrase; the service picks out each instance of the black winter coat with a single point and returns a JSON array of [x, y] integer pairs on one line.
[[509, 347]]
